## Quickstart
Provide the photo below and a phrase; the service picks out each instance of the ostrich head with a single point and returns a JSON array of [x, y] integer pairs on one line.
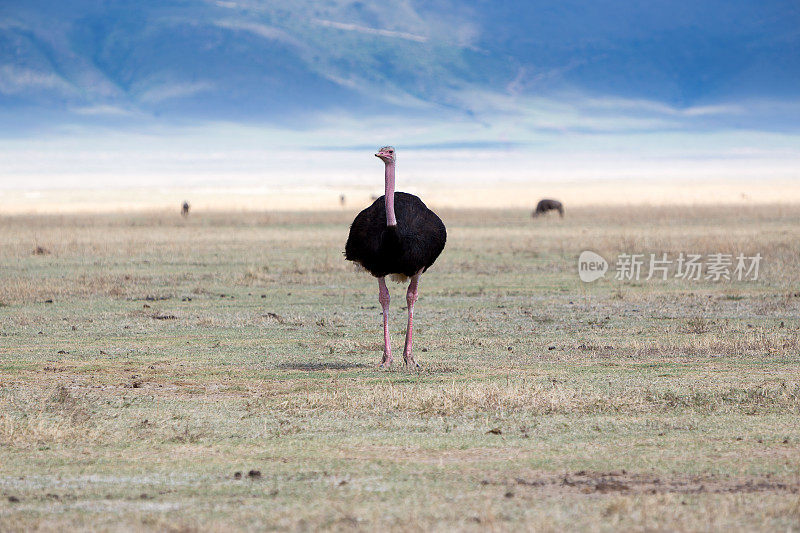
[[386, 154]]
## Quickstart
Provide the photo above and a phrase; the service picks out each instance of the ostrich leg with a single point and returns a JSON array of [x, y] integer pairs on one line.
[[411, 298], [384, 298]]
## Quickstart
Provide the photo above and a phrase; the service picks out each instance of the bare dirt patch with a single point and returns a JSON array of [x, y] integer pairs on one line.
[[587, 482]]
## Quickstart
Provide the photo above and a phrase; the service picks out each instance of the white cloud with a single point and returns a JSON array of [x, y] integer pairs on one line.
[[177, 90], [15, 80], [707, 110], [262, 30], [371, 31], [103, 109], [638, 105], [520, 116]]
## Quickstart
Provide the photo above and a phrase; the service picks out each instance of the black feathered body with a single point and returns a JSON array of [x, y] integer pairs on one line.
[[405, 249]]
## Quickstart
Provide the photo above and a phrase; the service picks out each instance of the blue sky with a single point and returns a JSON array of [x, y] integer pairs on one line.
[[111, 80]]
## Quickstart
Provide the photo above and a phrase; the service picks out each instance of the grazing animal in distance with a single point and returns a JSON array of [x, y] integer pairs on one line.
[[185, 209], [342, 200], [396, 236], [546, 205]]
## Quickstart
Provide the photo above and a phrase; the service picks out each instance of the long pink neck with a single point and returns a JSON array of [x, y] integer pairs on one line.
[[390, 219]]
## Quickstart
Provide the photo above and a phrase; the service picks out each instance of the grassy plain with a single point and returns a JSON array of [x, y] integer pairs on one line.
[[145, 360]]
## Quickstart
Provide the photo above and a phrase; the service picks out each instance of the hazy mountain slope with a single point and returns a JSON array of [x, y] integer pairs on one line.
[[268, 61]]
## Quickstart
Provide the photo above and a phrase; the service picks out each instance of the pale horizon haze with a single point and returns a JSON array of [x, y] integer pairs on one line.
[[287, 101]]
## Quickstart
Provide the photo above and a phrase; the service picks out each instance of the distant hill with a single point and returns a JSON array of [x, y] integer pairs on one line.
[[278, 61]]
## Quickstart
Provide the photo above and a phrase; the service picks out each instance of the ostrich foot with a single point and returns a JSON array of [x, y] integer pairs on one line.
[[409, 361], [387, 360]]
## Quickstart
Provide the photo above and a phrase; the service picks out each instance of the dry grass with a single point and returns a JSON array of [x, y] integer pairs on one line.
[[55, 417], [145, 359], [539, 399]]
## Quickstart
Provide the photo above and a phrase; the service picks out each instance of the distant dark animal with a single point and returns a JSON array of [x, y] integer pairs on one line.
[[185, 209], [398, 236], [546, 205], [342, 200]]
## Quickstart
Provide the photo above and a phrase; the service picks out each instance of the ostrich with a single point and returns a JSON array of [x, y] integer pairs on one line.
[[399, 236], [546, 205], [185, 209]]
